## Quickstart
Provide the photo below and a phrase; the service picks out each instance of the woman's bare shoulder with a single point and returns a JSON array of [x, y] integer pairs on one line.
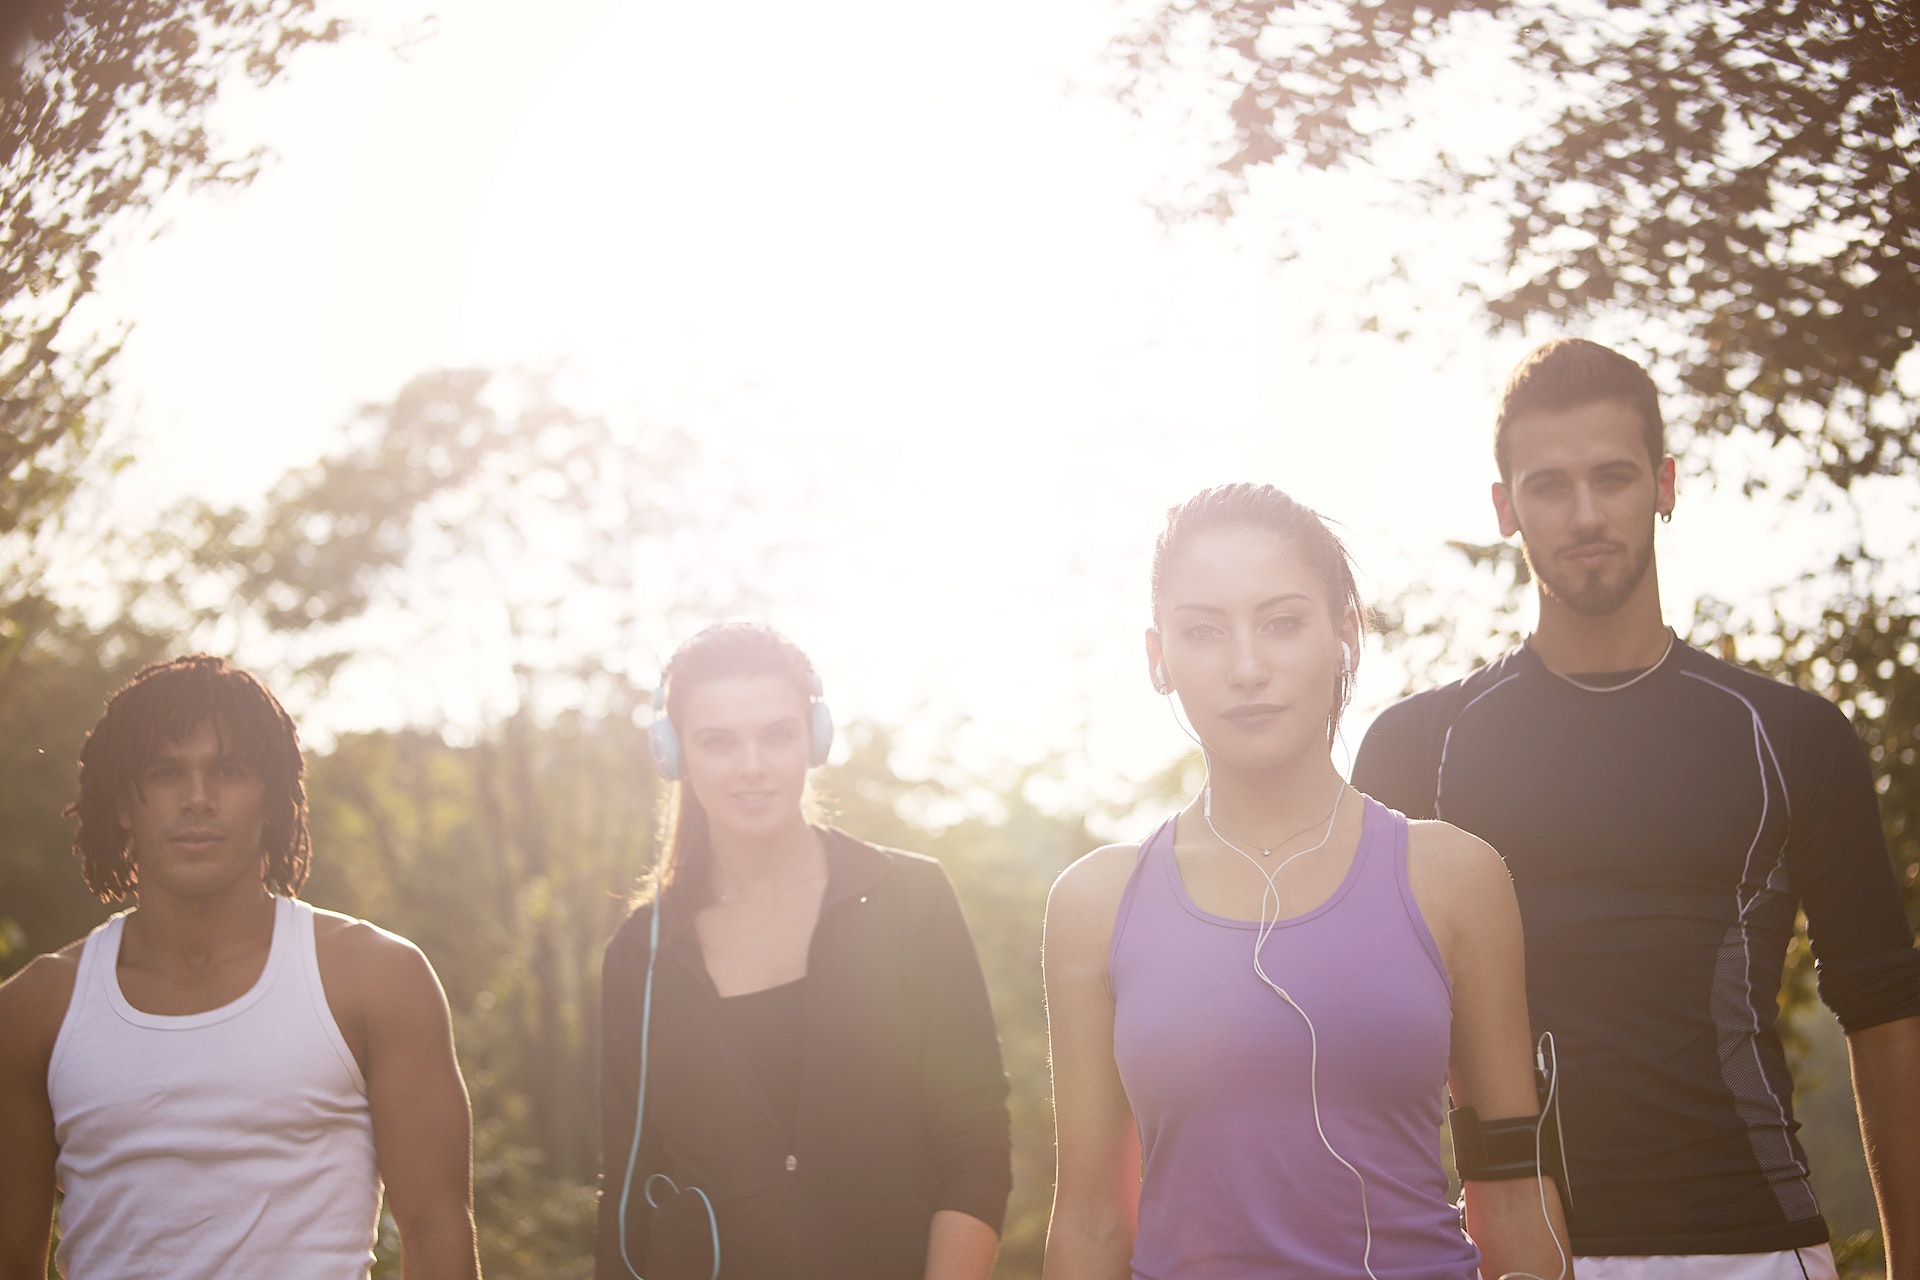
[[1100, 873], [1442, 849], [1460, 882], [1086, 896]]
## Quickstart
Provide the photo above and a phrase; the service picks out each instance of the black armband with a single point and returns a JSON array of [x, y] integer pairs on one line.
[[1495, 1150]]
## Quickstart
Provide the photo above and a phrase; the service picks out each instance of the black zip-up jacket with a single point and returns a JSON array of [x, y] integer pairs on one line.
[[903, 1101]]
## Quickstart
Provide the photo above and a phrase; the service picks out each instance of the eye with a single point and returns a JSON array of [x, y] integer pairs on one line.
[[1281, 623], [1612, 481], [1199, 631], [780, 735]]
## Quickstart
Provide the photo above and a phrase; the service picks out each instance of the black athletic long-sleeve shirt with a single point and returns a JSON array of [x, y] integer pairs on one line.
[[1661, 838]]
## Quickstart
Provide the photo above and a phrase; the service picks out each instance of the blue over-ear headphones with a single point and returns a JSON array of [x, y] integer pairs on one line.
[[664, 742]]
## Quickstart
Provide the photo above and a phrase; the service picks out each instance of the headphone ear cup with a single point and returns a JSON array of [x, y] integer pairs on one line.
[[664, 743], [822, 728]]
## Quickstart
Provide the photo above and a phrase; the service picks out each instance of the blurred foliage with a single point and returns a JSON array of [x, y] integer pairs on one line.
[[1737, 181], [55, 674], [508, 860], [103, 107], [505, 848], [477, 520], [1742, 173]]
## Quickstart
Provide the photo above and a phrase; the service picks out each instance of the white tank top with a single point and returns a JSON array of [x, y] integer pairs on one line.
[[234, 1144]]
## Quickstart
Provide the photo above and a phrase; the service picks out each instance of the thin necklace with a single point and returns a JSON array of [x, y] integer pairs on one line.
[[1206, 813], [1241, 839], [1613, 688]]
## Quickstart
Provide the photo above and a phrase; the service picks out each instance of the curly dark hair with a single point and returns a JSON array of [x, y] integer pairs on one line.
[[164, 703]]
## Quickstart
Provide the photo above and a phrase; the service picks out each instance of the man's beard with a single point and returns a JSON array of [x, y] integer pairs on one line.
[[1590, 593]]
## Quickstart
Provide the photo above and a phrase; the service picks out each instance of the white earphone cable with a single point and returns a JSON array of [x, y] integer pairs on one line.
[[1270, 901], [1269, 920]]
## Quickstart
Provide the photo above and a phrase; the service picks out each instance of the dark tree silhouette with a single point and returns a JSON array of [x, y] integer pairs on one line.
[[1742, 171], [102, 112]]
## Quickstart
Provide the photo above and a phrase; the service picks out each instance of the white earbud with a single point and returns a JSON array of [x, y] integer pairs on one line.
[[1160, 684], [1346, 658]]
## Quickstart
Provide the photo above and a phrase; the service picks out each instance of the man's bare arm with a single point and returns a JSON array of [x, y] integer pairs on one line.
[[422, 1127], [32, 1005], [1886, 1089]]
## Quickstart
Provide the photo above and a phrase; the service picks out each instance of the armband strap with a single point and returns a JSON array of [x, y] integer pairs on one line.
[[1496, 1150]]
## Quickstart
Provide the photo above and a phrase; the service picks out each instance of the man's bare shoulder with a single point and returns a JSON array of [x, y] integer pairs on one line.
[[373, 978], [360, 960], [33, 1002], [362, 941]]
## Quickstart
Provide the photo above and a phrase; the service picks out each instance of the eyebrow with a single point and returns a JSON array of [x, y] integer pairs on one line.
[[1268, 603], [1607, 464], [759, 728]]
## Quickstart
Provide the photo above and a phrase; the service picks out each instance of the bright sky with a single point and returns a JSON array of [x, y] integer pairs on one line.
[[901, 251]]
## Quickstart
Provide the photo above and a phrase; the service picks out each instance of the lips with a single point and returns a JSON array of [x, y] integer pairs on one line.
[[197, 838], [1591, 553], [1254, 713]]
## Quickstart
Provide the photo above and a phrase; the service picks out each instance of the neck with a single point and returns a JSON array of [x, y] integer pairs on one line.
[[1272, 804], [199, 927], [745, 866], [1631, 636]]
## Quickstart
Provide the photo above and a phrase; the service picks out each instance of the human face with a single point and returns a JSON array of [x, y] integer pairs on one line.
[[1250, 640], [1582, 494], [747, 746], [196, 817]]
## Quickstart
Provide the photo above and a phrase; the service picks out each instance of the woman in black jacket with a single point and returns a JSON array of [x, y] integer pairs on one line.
[[823, 1094]]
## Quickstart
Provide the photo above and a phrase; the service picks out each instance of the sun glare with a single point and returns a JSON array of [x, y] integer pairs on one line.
[[898, 279]]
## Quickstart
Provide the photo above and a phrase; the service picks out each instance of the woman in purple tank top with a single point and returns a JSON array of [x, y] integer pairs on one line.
[[1256, 1013]]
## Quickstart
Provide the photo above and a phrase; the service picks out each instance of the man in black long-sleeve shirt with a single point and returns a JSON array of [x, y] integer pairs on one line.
[[1665, 815]]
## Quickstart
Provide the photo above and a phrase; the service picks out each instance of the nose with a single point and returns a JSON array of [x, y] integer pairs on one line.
[[1586, 508], [199, 794], [752, 759], [1247, 671]]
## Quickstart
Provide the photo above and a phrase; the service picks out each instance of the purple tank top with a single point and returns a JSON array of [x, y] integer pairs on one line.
[[1236, 1183]]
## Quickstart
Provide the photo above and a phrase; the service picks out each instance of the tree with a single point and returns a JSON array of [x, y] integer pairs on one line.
[[478, 521], [56, 675], [1742, 173], [1744, 176], [102, 113]]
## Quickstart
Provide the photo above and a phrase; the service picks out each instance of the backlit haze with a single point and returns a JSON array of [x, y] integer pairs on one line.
[[900, 259]]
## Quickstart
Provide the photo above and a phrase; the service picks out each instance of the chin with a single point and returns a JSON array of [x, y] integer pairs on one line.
[[1263, 757], [778, 817], [199, 887]]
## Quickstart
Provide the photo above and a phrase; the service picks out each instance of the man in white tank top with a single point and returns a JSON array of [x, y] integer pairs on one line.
[[219, 1080]]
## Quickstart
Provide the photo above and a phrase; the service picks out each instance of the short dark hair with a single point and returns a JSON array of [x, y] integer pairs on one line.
[[1567, 373], [165, 702], [1261, 506]]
